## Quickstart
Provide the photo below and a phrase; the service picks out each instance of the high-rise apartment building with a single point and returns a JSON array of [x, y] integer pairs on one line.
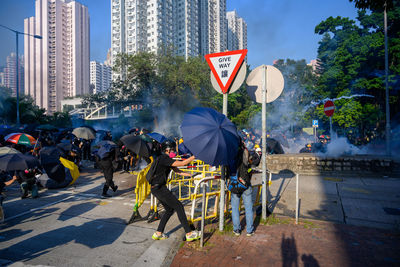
[[140, 25], [57, 66], [10, 77], [213, 26], [191, 27], [237, 31], [2, 79], [186, 27], [100, 76]]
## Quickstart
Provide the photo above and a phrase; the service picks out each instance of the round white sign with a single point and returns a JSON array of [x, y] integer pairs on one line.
[[274, 83]]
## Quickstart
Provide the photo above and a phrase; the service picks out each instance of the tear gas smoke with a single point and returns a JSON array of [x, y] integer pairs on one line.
[[315, 103]]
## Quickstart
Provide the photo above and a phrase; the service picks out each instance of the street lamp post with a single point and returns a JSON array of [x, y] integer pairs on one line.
[[17, 63], [388, 152]]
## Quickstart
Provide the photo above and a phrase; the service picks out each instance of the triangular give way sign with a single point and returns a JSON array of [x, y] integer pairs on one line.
[[225, 66]]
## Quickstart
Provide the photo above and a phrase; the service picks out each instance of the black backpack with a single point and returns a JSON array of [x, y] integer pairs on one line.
[[152, 171], [241, 181]]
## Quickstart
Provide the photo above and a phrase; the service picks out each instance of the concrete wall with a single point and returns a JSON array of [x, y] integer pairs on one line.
[[313, 164]]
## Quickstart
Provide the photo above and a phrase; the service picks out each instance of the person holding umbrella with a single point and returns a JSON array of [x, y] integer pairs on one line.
[[167, 199], [106, 154]]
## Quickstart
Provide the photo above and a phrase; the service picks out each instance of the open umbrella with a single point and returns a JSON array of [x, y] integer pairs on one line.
[[89, 127], [84, 133], [65, 147], [158, 137], [17, 162], [50, 154], [8, 150], [210, 136], [104, 142], [273, 146], [20, 139], [136, 145], [105, 150]]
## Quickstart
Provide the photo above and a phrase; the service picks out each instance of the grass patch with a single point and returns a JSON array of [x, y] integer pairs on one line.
[[228, 228], [309, 225], [273, 220]]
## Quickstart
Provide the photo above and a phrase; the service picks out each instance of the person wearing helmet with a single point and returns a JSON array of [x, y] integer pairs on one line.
[[159, 189]]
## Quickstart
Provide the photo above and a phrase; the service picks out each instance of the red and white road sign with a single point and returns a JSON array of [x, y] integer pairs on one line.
[[225, 66], [329, 108]]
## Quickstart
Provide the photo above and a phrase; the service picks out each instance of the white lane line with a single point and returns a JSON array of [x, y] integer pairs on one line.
[[35, 209]]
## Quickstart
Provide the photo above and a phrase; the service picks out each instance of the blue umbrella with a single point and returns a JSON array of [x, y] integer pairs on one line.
[[210, 136], [158, 137]]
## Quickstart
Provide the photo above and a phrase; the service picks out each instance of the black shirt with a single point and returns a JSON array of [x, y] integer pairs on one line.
[[164, 166]]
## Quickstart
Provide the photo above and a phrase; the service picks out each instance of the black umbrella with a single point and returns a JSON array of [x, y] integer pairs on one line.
[[105, 150], [17, 162], [106, 142], [84, 133], [136, 145], [50, 154], [55, 171], [273, 146], [65, 147]]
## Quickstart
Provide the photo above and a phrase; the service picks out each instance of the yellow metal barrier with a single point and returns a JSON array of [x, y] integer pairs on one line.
[[187, 189], [143, 188]]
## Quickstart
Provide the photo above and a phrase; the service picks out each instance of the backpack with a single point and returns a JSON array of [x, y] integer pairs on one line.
[[241, 181], [152, 171]]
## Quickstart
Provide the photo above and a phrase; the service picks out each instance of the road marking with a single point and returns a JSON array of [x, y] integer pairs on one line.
[[35, 209], [356, 190]]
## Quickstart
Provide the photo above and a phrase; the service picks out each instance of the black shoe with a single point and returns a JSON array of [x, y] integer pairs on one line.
[[105, 195], [115, 188]]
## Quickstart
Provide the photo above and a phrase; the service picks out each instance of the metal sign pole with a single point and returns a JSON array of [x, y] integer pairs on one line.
[[297, 198], [264, 143], [203, 214], [330, 127], [222, 193]]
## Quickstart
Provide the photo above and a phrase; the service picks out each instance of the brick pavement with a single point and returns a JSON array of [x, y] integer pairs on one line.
[[283, 243]]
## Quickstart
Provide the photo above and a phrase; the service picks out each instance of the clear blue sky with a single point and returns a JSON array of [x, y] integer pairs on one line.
[[276, 28]]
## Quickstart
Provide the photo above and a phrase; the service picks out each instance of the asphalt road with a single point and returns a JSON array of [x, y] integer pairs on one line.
[[75, 227]]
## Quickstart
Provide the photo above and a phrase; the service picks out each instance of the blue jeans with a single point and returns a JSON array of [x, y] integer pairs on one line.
[[248, 206]]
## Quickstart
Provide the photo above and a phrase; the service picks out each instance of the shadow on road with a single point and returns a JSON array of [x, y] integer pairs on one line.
[[92, 234]]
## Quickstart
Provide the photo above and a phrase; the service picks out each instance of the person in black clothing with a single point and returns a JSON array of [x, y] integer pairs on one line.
[[106, 165], [27, 180], [108, 136], [4, 181], [166, 198]]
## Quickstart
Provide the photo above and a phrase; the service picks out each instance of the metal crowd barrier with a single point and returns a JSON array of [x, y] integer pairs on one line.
[[188, 189]]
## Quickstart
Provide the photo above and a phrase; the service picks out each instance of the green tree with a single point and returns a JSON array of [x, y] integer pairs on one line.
[[351, 61]]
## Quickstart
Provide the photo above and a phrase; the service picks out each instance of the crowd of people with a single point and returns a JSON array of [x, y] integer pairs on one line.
[[120, 158]]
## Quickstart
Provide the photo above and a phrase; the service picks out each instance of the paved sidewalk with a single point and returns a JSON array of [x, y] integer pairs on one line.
[[283, 243]]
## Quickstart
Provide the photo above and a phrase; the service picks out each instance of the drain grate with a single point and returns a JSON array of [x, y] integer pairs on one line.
[[392, 211]]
